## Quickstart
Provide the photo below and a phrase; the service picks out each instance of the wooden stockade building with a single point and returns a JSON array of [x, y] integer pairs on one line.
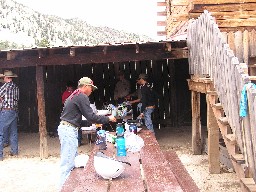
[[43, 73]]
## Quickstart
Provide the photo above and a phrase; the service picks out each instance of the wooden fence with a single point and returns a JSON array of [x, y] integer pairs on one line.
[[211, 56]]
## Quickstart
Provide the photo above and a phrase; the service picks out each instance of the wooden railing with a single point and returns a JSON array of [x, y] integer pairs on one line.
[[210, 56]]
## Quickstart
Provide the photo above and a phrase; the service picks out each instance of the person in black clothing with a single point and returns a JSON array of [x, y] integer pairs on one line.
[[148, 101], [135, 100]]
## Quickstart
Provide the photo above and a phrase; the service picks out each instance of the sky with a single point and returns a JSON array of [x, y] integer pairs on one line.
[[139, 16]]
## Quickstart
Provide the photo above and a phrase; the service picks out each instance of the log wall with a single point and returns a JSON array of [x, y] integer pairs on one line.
[[168, 77]]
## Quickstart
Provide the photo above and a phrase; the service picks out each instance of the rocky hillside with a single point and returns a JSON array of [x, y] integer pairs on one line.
[[21, 26]]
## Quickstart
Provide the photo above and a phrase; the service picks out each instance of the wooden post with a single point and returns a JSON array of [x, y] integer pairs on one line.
[[41, 112], [213, 139], [196, 124]]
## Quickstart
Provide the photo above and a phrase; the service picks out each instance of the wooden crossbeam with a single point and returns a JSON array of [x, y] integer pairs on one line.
[[214, 93], [223, 120], [161, 23], [160, 4], [217, 106], [231, 138], [236, 22], [224, 7], [249, 184], [161, 33], [241, 14], [162, 13], [238, 158], [221, 1], [252, 78], [180, 2]]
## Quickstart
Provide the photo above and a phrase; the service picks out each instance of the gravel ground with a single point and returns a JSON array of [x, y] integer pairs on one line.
[[27, 173]]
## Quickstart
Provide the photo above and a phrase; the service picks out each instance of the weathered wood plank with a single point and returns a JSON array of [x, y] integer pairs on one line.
[[242, 14], [224, 7], [231, 138], [41, 112], [236, 22], [213, 140], [196, 124], [221, 1], [158, 173], [249, 184]]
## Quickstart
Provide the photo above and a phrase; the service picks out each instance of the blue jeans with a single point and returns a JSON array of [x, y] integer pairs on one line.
[[68, 141], [147, 118], [6, 137], [8, 123]]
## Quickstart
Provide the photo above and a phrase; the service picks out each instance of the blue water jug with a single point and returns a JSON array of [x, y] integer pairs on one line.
[[120, 146]]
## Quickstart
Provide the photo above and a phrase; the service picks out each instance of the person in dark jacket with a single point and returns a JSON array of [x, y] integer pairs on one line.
[[76, 105], [148, 101]]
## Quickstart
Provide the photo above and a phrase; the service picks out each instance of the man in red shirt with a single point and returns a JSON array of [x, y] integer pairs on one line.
[[69, 90]]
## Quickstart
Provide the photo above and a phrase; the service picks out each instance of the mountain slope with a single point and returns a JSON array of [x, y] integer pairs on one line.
[[30, 28]]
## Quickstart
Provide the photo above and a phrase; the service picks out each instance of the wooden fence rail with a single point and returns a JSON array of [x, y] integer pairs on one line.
[[211, 56]]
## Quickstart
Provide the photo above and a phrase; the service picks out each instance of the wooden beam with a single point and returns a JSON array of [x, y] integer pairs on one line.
[[224, 7], [182, 17], [160, 4], [217, 106], [162, 13], [236, 22], [252, 78], [179, 2], [94, 54], [223, 120], [213, 140], [161, 23], [242, 14], [221, 1], [231, 138], [238, 158], [161, 33], [89, 58], [196, 124], [235, 29], [201, 85], [248, 184], [41, 112], [180, 53]]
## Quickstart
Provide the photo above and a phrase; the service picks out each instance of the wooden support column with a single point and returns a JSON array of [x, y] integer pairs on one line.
[[213, 139], [41, 112], [196, 124]]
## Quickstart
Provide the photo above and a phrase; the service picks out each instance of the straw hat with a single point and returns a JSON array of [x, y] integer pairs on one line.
[[8, 73]]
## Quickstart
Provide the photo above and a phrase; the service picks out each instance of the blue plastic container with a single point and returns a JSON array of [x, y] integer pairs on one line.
[[119, 129], [120, 146]]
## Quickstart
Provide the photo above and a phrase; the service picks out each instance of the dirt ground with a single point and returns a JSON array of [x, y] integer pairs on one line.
[[27, 173]]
